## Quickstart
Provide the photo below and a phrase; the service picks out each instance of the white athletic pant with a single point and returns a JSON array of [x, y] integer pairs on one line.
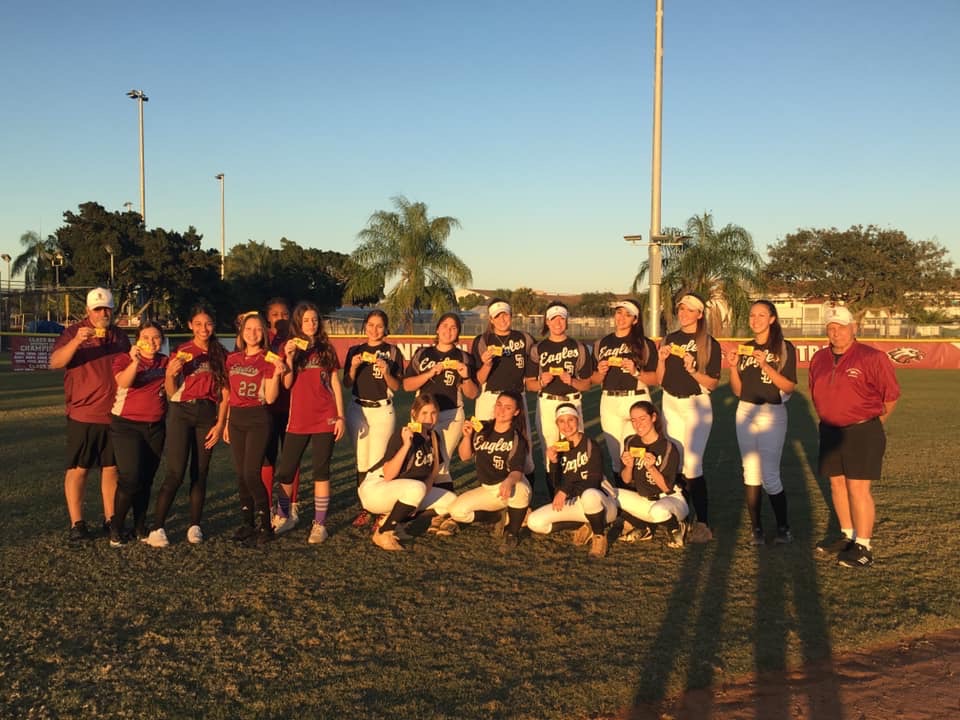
[[761, 430], [450, 425], [483, 409], [615, 421], [688, 422], [547, 419], [653, 511], [487, 497], [576, 509], [378, 496], [370, 429]]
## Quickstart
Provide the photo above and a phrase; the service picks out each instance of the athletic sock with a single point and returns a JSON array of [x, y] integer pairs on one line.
[[320, 505], [283, 504], [779, 504], [515, 517], [753, 505], [848, 533], [398, 513], [864, 541], [698, 495], [598, 522]]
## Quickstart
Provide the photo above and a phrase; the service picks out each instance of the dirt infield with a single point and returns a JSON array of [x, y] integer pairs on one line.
[[917, 679]]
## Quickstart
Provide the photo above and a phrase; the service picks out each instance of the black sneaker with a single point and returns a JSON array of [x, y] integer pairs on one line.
[[105, 527], [243, 533], [757, 538], [79, 533], [830, 550], [784, 536], [118, 538], [509, 543], [855, 556]]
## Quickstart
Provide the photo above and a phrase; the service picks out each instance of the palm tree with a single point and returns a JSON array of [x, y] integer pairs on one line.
[[35, 260], [408, 248], [721, 265]]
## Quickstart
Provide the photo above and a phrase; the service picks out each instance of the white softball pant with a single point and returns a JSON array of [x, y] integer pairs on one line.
[[653, 511], [688, 422], [615, 421], [547, 418], [576, 509], [370, 429], [378, 496], [450, 425], [483, 409], [487, 498], [761, 430]]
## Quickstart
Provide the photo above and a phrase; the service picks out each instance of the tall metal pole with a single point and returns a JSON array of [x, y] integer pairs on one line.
[[655, 258], [223, 229], [141, 99]]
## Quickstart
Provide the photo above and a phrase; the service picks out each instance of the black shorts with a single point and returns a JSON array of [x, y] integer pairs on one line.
[[88, 445], [854, 451]]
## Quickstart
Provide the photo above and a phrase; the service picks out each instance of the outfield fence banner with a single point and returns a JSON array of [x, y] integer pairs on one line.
[[32, 351]]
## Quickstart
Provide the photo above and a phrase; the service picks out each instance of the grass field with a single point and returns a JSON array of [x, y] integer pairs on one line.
[[451, 629]]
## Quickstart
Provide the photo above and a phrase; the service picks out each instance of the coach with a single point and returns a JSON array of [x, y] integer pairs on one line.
[[86, 350], [854, 390]]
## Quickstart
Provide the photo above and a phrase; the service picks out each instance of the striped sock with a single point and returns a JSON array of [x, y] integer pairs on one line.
[[283, 504], [320, 505]]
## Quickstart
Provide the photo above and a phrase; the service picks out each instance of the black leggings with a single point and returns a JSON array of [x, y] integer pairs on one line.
[[187, 428], [249, 436], [137, 447], [277, 437], [294, 446]]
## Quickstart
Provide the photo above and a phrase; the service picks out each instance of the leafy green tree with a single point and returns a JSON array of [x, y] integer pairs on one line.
[[407, 250], [469, 302], [721, 265], [526, 302], [596, 304], [866, 267], [35, 260]]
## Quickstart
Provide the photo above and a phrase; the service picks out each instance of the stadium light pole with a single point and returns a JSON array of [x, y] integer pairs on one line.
[[223, 228], [110, 253], [655, 263], [6, 257], [141, 99]]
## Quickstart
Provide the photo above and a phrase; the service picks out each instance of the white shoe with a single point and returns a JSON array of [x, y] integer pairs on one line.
[[157, 538], [318, 533], [282, 524], [294, 514], [194, 535]]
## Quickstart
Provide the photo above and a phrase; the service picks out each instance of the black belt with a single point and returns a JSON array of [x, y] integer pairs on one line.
[[625, 393], [198, 401], [372, 403], [571, 396], [684, 397]]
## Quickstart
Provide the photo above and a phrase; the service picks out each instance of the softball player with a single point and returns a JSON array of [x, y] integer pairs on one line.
[[373, 370], [559, 372], [626, 363], [500, 449], [403, 481], [763, 374], [501, 355], [650, 461], [254, 384], [137, 429], [198, 392], [689, 370], [316, 415], [444, 371], [583, 495]]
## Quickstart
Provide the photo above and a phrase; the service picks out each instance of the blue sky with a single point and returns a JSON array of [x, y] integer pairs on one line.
[[528, 121]]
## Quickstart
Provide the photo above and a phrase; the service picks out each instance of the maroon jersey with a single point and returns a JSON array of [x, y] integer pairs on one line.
[[247, 374], [88, 382], [313, 408], [196, 381], [144, 400], [852, 388]]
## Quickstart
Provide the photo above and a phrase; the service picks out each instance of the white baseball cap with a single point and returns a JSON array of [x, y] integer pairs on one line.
[[839, 315], [98, 298]]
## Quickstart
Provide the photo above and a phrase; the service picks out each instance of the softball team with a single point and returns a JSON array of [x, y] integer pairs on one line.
[[763, 374], [316, 415], [689, 370]]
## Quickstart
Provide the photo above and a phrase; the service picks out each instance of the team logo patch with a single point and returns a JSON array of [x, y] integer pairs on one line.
[[905, 355]]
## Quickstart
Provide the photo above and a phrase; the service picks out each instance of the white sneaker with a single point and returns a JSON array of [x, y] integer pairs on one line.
[[194, 535], [157, 538], [294, 515], [318, 533]]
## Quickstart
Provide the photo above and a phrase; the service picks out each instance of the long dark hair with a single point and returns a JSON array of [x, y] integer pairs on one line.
[[700, 335], [520, 419], [637, 339], [775, 340], [215, 350], [377, 312], [328, 356], [650, 409]]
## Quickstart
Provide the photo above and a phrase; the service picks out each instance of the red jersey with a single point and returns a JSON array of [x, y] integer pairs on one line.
[[144, 400], [196, 381], [853, 387], [313, 408], [247, 374], [88, 382]]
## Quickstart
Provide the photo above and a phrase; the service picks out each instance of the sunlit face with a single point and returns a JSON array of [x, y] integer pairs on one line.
[[688, 316], [100, 317], [447, 332], [760, 319], [841, 336], [623, 320], [310, 323], [375, 329], [252, 332], [557, 325], [505, 409], [149, 341], [568, 425], [276, 313], [642, 421], [427, 414], [501, 323], [201, 325]]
